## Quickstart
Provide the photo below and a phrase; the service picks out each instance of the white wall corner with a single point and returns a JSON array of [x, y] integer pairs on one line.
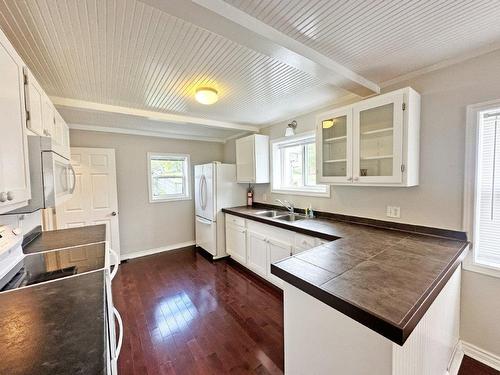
[[156, 250], [456, 360]]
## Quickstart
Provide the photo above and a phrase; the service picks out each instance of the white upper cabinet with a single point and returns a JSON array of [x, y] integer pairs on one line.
[[374, 142], [48, 114], [42, 118], [34, 102], [14, 166], [252, 159], [60, 136], [334, 146]]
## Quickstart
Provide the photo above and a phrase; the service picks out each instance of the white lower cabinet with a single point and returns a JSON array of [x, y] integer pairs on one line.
[[257, 246], [236, 242], [257, 250], [277, 250]]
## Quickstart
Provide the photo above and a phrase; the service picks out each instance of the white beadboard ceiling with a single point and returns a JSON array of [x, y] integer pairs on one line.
[[384, 39], [151, 55]]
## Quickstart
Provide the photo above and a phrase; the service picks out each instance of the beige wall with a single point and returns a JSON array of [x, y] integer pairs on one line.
[[438, 200], [145, 225], [480, 311]]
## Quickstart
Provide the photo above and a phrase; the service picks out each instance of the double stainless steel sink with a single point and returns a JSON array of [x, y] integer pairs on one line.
[[281, 215]]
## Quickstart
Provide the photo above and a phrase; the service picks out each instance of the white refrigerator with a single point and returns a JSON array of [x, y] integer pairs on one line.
[[215, 188]]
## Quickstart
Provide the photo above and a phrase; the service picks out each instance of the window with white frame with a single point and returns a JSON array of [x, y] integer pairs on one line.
[[168, 177], [486, 231], [294, 166]]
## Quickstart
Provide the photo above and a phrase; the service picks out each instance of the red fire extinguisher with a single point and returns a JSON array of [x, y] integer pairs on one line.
[[249, 196]]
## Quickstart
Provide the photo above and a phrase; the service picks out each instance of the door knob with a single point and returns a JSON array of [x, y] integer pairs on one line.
[[113, 213], [3, 196]]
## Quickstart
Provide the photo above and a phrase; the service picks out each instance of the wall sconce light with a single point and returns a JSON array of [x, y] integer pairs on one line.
[[290, 129]]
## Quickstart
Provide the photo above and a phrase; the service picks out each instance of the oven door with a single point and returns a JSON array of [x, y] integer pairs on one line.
[[58, 177], [114, 341]]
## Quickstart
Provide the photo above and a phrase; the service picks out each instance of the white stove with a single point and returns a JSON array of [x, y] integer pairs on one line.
[[11, 254]]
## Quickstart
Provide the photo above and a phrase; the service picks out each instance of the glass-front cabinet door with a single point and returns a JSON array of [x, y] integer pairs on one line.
[[378, 139], [334, 146]]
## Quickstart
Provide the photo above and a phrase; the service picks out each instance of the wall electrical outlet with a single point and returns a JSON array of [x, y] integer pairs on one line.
[[393, 211]]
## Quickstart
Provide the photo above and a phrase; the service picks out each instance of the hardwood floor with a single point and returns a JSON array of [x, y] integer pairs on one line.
[[185, 315], [470, 366]]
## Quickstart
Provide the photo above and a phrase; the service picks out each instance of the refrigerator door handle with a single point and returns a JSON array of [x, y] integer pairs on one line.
[[203, 191], [203, 221]]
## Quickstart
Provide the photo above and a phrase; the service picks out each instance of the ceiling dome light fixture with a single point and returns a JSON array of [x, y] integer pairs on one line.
[[206, 95]]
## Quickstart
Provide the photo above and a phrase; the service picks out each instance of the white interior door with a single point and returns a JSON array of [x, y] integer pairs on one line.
[[94, 200]]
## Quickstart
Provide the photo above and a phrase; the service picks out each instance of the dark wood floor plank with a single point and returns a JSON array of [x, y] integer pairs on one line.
[[470, 366], [186, 315]]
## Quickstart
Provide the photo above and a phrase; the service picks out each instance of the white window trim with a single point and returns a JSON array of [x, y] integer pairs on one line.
[[471, 143], [288, 191], [184, 197]]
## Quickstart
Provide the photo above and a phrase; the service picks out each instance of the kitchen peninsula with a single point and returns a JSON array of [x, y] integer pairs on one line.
[[376, 298]]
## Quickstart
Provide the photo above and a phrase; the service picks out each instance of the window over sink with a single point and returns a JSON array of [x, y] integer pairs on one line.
[[294, 166], [168, 177]]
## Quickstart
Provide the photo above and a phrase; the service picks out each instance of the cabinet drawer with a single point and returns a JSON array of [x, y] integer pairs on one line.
[[235, 220]]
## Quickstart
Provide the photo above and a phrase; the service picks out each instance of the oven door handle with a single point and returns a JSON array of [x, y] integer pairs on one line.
[[120, 337], [115, 267]]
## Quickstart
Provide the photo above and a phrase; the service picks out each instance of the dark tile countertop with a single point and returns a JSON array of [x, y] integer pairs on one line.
[[383, 278], [62, 238], [54, 328]]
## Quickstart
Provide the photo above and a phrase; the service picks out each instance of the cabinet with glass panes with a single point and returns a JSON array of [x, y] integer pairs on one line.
[[373, 142], [334, 146]]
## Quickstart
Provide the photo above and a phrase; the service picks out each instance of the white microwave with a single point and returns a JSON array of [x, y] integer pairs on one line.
[[52, 176]]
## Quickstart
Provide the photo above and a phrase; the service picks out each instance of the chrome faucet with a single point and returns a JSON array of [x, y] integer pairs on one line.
[[288, 205]]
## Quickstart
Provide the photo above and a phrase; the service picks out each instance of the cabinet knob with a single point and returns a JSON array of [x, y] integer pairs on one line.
[[3, 196], [10, 195], [113, 213], [356, 178], [349, 178]]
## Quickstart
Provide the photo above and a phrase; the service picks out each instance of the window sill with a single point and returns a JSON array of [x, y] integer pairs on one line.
[[470, 265], [163, 200], [303, 192]]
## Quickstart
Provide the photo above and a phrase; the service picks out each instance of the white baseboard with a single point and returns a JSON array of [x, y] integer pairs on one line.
[[481, 355], [142, 253]]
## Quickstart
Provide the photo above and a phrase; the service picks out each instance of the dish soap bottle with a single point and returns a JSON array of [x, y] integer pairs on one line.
[[310, 212]]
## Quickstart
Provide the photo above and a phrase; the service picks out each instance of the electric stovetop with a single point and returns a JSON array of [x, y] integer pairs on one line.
[[51, 265]]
